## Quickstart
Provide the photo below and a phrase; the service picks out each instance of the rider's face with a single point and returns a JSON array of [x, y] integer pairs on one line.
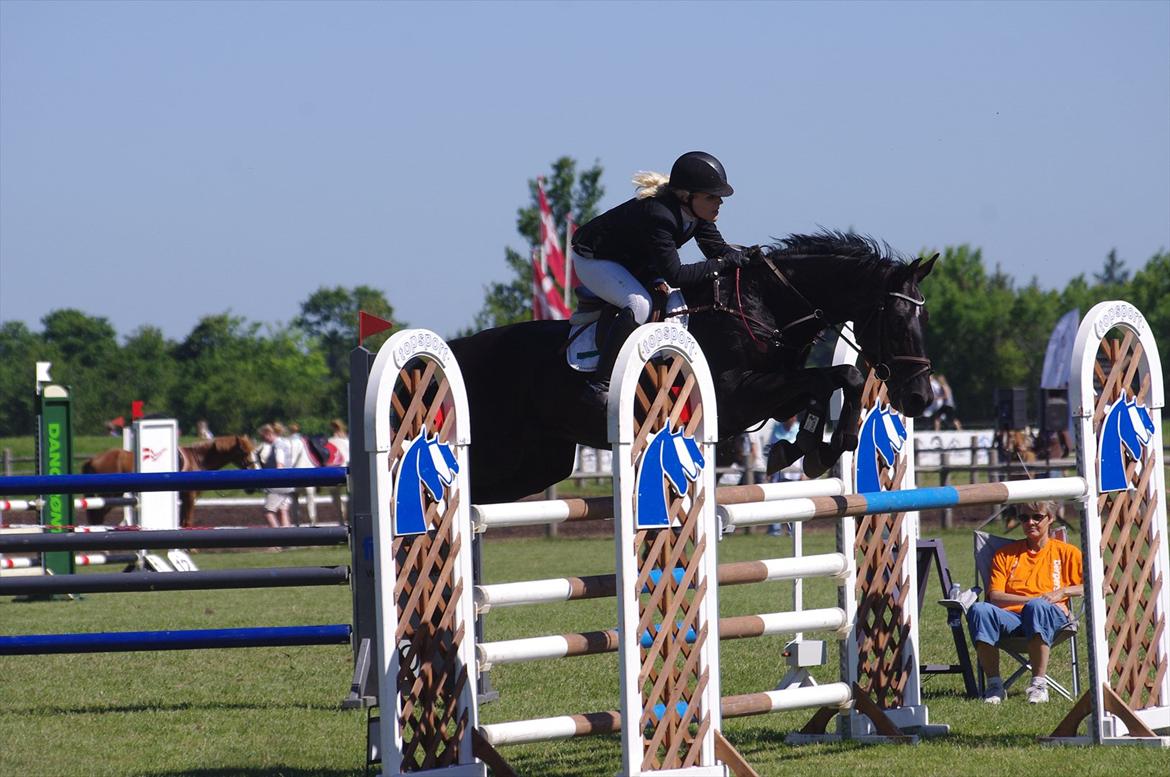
[[706, 206]]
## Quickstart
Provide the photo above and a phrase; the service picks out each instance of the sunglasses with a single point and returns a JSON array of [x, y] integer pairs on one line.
[[1036, 517]]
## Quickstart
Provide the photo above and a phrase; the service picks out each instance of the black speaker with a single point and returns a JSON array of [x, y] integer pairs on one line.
[[1011, 408], [1053, 410]]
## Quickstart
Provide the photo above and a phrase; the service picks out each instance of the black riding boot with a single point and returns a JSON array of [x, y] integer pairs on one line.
[[623, 326]]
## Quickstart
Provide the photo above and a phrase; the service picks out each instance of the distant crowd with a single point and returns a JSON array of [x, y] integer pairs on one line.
[[287, 448]]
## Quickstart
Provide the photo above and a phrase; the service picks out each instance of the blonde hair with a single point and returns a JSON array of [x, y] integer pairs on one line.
[[649, 183]]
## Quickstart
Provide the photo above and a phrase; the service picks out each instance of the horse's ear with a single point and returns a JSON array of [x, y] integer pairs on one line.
[[922, 269]]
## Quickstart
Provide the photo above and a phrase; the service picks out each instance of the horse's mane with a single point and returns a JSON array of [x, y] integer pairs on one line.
[[828, 243]]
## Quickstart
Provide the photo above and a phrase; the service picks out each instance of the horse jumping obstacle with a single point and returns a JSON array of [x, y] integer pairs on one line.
[[150, 581], [884, 671]]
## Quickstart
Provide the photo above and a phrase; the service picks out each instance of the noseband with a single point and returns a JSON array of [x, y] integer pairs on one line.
[[881, 368]]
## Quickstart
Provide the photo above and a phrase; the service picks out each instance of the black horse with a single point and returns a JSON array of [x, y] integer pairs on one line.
[[755, 326]]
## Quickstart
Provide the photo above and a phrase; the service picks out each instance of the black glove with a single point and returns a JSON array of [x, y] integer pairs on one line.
[[736, 259], [755, 253]]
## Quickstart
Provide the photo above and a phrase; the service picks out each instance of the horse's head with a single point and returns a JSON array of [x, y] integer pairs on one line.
[[246, 452], [893, 338], [681, 459], [1136, 428], [437, 466]]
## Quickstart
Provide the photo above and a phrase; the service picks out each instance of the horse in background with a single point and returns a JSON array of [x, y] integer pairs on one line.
[[212, 454]]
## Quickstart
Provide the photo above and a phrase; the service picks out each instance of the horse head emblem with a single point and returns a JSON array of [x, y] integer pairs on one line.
[[670, 457], [427, 464], [882, 436], [1128, 427]]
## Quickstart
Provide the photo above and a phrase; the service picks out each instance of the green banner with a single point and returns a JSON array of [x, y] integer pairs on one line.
[[55, 441]]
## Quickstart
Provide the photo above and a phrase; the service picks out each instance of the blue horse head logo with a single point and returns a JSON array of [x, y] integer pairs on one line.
[[669, 457], [1128, 427], [882, 436], [426, 463]]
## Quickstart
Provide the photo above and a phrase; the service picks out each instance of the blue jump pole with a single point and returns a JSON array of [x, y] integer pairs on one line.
[[194, 639], [172, 481], [274, 577], [176, 538]]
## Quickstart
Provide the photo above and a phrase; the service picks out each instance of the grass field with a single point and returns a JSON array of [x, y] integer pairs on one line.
[[275, 711]]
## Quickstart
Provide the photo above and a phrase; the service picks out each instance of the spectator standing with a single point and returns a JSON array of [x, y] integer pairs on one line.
[[299, 453], [203, 431], [339, 457], [275, 454], [945, 415]]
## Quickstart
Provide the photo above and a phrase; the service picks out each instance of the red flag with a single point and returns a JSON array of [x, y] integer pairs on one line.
[[370, 325], [136, 410], [547, 304], [550, 245]]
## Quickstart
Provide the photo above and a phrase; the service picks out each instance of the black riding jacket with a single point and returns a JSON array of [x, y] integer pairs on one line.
[[644, 237]]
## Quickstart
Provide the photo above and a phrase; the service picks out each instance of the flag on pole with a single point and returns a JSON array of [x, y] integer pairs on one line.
[[550, 295], [369, 325], [570, 228], [547, 304], [550, 245]]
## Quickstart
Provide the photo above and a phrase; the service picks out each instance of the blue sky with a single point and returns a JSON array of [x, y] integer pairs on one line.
[[164, 161]]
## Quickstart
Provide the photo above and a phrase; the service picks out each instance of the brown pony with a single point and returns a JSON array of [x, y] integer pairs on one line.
[[210, 454]]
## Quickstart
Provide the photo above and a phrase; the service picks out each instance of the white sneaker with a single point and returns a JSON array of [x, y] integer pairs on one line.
[[1037, 691], [994, 693]]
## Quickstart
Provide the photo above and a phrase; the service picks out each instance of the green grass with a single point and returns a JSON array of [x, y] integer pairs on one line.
[[275, 711]]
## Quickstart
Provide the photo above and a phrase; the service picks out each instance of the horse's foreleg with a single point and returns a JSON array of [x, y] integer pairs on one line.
[[850, 380], [187, 508]]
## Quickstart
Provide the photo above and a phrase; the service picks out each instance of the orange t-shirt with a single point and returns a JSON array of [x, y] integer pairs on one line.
[[1016, 570]]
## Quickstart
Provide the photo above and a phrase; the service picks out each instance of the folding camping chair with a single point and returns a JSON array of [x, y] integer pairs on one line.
[[986, 545]]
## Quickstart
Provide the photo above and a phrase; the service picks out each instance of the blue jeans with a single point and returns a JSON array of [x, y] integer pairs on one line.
[[990, 624]]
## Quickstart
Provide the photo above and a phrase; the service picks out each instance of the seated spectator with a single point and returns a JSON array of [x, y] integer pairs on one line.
[[1028, 591]]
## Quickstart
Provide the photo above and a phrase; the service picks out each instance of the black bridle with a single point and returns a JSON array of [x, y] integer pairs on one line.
[[776, 337]]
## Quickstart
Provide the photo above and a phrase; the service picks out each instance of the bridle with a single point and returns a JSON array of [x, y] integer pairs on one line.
[[882, 368]]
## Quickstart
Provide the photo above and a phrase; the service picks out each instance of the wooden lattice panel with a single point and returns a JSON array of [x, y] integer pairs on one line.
[[1131, 584], [882, 634], [671, 676], [425, 590]]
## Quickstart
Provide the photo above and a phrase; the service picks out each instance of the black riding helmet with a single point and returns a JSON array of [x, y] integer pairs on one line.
[[698, 171]]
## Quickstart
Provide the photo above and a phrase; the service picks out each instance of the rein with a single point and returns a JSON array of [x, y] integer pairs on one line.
[[882, 370]]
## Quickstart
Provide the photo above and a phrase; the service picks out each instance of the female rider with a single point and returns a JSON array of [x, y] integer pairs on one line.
[[619, 254]]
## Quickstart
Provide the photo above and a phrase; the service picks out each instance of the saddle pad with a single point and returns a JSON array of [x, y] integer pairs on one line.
[[584, 352]]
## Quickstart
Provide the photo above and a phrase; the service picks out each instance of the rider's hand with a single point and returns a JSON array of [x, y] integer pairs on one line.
[[755, 253], [736, 259]]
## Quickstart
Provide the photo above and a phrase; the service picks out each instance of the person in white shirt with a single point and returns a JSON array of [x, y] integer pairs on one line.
[[275, 455], [300, 460]]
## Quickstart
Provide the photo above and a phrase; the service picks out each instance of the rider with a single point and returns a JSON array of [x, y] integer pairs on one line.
[[622, 252]]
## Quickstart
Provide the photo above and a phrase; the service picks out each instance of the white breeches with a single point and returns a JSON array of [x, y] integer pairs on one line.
[[614, 284]]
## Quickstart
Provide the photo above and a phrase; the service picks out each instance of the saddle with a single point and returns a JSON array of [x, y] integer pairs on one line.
[[592, 321]]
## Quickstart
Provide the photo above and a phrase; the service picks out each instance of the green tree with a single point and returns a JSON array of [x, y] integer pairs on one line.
[[147, 371], [1114, 272], [237, 378], [87, 358], [1149, 291], [970, 334], [330, 317], [510, 301], [20, 349]]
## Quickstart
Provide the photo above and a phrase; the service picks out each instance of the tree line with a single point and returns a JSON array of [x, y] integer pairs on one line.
[[985, 332]]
